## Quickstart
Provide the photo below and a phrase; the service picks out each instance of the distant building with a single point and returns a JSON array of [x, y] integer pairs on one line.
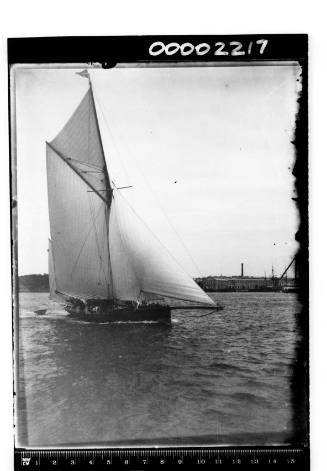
[[224, 283]]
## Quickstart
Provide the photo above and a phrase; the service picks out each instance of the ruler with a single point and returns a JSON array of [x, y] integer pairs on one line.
[[143, 458]]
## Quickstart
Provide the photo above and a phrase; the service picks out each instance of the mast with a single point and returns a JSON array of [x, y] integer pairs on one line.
[[108, 184], [109, 192], [101, 247]]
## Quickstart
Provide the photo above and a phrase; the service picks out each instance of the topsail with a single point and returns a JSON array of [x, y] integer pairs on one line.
[[101, 248]]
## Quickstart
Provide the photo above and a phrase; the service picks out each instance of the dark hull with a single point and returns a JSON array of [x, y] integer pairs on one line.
[[143, 314]]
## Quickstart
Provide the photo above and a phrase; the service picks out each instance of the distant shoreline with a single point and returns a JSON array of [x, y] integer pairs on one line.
[[37, 283], [34, 283], [23, 290]]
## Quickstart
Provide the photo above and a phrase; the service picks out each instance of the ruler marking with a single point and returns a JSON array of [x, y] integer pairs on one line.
[[174, 456]]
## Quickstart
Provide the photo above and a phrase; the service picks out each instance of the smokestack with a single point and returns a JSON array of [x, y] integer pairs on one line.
[[242, 270]]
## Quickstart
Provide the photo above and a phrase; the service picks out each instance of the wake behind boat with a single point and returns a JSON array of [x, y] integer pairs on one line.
[[105, 264]]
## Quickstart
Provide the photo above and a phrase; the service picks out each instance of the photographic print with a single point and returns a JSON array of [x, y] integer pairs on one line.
[[159, 230]]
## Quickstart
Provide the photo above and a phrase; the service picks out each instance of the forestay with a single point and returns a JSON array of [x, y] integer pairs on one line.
[[141, 264], [99, 245]]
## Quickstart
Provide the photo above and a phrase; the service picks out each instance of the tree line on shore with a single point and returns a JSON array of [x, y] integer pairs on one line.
[[34, 283]]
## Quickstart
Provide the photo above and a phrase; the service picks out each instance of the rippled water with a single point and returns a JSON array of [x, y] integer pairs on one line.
[[224, 378]]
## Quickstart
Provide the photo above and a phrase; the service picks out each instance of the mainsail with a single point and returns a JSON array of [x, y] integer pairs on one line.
[[79, 199], [101, 247]]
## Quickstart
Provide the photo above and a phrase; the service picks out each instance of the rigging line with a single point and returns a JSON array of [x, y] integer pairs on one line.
[[180, 298], [97, 169], [104, 166], [125, 244], [167, 219], [135, 159], [108, 182], [82, 247], [97, 244], [111, 287], [97, 172], [88, 129], [171, 296], [128, 177], [96, 237], [121, 160], [66, 160], [158, 240]]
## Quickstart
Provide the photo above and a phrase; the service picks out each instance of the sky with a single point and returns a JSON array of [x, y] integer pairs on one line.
[[207, 151]]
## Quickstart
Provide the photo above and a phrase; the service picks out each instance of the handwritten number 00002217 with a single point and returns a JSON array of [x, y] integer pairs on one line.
[[233, 48]]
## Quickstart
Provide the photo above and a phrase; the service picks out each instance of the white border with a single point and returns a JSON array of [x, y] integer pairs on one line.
[[39, 18]]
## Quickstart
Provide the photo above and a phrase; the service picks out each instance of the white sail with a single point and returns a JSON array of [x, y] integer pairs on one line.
[[140, 264], [78, 206], [100, 247], [80, 138]]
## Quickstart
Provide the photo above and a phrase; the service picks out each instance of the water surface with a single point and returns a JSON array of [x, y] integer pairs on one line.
[[223, 378]]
